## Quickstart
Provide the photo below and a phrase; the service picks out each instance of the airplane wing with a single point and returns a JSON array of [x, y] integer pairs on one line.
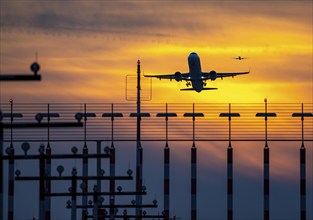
[[177, 76], [214, 75], [191, 89], [222, 75]]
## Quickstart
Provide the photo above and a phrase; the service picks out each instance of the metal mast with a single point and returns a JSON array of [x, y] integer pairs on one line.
[[138, 148]]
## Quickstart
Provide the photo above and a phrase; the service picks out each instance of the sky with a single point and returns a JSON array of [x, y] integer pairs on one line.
[[87, 48], [90, 53]]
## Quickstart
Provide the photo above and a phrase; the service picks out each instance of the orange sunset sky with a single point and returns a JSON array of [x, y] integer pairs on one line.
[[86, 49]]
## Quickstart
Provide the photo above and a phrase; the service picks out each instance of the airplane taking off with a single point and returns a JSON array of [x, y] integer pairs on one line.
[[196, 78], [240, 58]]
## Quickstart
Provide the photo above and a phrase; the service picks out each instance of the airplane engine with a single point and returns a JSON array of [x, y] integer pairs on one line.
[[213, 75], [178, 76]]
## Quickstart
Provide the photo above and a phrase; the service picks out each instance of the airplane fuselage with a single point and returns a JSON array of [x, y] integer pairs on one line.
[[195, 72]]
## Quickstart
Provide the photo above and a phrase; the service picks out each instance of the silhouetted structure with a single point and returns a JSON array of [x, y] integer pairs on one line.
[[141, 128], [302, 115], [46, 157], [266, 165], [166, 169], [23, 77], [193, 164], [229, 164], [35, 67]]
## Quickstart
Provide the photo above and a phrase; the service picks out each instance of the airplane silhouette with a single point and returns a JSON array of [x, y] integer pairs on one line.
[[240, 58], [195, 77]]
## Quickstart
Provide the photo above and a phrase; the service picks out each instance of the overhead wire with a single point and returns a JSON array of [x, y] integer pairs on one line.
[[211, 126]]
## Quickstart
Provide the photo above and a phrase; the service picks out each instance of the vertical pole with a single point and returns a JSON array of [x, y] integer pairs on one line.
[[112, 182], [11, 184], [41, 182], [1, 169], [98, 174], [302, 174], [266, 184], [193, 171], [48, 168], [193, 125], [166, 173], [139, 151], [266, 189], [230, 183], [193, 183], [112, 169], [125, 215], [11, 171], [265, 122], [74, 191], [48, 182], [302, 184], [166, 182], [85, 182], [95, 202], [229, 173], [85, 169]]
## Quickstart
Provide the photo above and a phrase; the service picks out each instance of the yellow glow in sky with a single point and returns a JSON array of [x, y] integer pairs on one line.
[[88, 56]]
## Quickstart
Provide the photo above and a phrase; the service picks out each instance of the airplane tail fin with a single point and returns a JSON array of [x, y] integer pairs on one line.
[[191, 89]]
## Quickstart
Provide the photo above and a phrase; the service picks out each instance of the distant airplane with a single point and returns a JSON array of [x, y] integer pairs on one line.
[[240, 58], [196, 78]]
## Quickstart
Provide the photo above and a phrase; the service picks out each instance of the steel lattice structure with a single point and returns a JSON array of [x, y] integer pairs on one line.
[[92, 125]]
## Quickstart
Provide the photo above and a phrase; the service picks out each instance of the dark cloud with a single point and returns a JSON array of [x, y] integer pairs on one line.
[[121, 17], [165, 19]]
